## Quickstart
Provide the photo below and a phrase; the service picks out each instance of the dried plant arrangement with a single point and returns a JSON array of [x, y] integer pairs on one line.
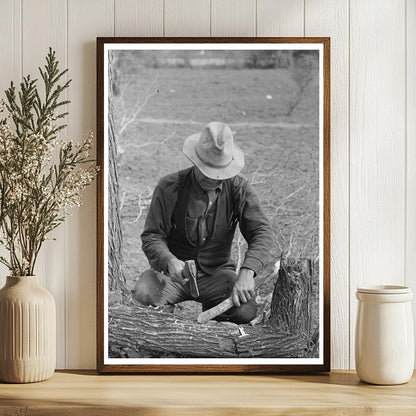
[[42, 175]]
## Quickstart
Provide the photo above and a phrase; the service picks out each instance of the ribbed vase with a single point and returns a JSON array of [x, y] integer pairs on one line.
[[27, 331]]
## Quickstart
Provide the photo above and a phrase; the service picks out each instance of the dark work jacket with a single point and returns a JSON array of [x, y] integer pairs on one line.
[[215, 251], [165, 232]]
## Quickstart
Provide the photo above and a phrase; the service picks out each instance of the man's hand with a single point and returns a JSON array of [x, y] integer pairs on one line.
[[175, 267], [243, 289]]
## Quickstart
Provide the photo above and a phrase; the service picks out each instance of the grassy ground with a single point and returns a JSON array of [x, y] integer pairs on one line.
[[281, 149]]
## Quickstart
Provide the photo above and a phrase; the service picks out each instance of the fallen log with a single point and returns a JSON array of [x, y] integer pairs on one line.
[[149, 332], [137, 328]]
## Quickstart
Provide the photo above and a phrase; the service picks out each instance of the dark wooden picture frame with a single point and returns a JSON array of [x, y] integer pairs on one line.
[[102, 282]]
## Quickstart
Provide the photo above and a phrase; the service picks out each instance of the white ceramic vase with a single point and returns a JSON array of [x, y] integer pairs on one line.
[[384, 340], [27, 331]]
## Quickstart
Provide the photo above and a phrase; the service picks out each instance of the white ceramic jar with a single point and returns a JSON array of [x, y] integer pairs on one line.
[[384, 337]]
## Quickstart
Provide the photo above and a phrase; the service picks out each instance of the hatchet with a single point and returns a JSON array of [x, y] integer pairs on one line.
[[222, 307], [189, 273], [227, 304]]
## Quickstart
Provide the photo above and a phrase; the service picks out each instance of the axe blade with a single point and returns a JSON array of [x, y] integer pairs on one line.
[[190, 274]]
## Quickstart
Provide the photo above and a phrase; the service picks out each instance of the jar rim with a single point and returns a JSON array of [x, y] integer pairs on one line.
[[384, 289]]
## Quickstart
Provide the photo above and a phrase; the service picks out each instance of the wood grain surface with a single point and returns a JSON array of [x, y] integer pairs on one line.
[[330, 18], [410, 262], [377, 149], [85, 18], [36, 40], [233, 18], [187, 18], [138, 18], [10, 64], [81, 393], [280, 18]]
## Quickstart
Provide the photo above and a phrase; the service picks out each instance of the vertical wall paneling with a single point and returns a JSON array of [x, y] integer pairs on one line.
[[233, 18], [187, 18], [330, 18], [6, 45], [10, 44], [377, 146], [411, 150], [86, 20], [44, 24], [280, 18], [373, 132], [138, 17], [10, 64]]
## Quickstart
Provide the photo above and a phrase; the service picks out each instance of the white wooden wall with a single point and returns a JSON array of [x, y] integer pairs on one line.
[[373, 129]]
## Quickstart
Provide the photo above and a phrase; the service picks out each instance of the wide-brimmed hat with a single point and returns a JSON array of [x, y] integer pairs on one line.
[[214, 152]]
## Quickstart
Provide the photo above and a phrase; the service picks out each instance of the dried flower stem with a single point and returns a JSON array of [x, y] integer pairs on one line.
[[36, 194]]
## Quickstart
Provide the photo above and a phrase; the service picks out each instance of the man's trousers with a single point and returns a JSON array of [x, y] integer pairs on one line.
[[156, 289]]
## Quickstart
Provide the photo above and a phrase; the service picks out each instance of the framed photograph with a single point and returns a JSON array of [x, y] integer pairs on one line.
[[213, 214]]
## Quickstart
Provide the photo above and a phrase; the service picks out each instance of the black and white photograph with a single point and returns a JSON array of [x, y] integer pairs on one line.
[[212, 187]]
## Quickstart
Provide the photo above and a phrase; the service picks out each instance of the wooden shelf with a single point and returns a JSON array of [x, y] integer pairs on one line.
[[86, 393]]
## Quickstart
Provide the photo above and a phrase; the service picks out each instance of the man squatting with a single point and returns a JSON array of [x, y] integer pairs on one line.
[[193, 216]]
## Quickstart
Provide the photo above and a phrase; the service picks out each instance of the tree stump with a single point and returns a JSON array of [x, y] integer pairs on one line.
[[291, 301]]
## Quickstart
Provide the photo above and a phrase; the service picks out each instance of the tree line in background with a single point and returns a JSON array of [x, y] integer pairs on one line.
[[230, 59]]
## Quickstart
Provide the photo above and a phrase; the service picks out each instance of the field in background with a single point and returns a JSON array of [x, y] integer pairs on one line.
[[155, 109]]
